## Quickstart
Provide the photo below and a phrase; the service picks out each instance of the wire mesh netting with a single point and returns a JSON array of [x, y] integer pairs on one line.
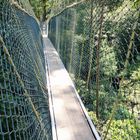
[[24, 107], [98, 42]]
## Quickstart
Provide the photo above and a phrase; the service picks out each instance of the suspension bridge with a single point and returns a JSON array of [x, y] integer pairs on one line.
[[69, 116], [76, 77]]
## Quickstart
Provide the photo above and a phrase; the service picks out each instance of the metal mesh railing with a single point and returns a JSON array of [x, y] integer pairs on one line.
[[24, 107], [98, 42]]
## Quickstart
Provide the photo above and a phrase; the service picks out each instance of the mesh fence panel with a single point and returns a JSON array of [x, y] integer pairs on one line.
[[24, 109], [98, 42]]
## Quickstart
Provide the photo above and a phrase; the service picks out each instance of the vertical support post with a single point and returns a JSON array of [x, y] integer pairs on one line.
[[72, 45], [57, 39], [98, 62], [90, 44]]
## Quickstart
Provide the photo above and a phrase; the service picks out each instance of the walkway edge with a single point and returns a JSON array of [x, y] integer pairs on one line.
[[54, 132], [93, 129]]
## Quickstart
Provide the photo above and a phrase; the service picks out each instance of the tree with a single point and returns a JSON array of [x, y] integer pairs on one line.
[[46, 10]]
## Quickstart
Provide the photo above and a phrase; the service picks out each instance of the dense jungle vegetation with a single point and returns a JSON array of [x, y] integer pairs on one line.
[[99, 44]]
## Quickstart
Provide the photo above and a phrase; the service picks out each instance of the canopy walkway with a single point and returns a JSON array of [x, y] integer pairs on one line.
[[76, 79], [71, 121]]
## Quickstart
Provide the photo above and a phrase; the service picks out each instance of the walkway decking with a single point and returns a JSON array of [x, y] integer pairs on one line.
[[70, 120]]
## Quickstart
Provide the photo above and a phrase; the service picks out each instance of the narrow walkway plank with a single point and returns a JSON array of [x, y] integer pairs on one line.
[[70, 120]]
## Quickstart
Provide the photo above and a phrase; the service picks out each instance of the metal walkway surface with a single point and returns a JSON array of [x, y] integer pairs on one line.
[[69, 118]]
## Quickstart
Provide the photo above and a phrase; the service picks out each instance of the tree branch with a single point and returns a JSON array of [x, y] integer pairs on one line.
[[52, 15]]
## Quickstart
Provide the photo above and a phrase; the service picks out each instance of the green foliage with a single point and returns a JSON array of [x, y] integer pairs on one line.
[[84, 93], [120, 129], [113, 4], [136, 74], [124, 130], [93, 117], [136, 3], [37, 7], [122, 113], [108, 61], [124, 32]]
